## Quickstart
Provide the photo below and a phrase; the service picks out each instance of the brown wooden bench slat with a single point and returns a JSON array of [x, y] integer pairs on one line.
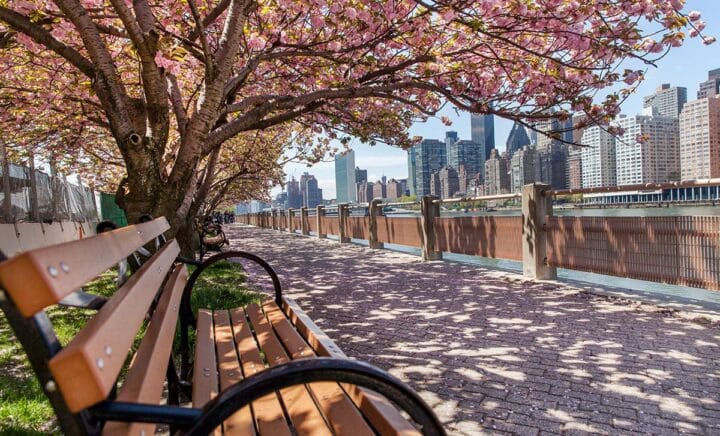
[[304, 413], [240, 422], [340, 411], [383, 416], [86, 370], [40, 278], [146, 375], [205, 376], [268, 412]]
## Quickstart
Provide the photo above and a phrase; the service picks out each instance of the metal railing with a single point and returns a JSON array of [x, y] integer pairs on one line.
[[681, 250]]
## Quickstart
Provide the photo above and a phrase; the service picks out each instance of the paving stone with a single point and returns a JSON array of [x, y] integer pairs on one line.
[[493, 353]]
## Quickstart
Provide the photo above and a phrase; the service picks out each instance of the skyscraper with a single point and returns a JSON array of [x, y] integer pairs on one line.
[[654, 160], [524, 168], [412, 169], [294, 194], [710, 87], [423, 159], [360, 175], [575, 167], [345, 191], [598, 158], [667, 101], [451, 139], [311, 194], [497, 179], [517, 139], [482, 131], [700, 139]]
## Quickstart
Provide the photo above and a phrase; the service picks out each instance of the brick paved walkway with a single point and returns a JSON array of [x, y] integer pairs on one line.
[[491, 352]]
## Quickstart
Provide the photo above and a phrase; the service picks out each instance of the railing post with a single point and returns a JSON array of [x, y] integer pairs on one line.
[[374, 208], [320, 214], [343, 214], [535, 209], [290, 214], [429, 211], [304, 221]]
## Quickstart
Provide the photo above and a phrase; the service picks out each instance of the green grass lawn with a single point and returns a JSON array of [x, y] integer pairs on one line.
[[23, 406]]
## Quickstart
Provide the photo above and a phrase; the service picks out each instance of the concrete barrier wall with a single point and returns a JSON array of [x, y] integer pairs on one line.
[[20, 237]]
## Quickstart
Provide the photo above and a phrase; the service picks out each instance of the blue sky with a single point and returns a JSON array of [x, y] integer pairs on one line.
[[684, 66]]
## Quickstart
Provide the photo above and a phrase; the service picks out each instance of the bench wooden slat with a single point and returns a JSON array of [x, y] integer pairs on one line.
[[304, 414], [342, 414], [205, 376], [240, 422], [269, 415], [383, 416], [40, 278], [86, 370], [146, 375]]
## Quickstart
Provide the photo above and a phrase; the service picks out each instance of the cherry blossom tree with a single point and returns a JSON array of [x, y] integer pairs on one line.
[[172, 85]]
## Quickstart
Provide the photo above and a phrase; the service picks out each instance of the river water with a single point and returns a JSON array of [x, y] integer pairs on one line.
[[660, 289]]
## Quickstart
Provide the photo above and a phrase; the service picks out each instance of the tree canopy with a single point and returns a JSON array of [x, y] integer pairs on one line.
[[156, 89]]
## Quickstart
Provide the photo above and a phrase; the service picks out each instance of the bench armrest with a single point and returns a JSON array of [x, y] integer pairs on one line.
[[322, 369]]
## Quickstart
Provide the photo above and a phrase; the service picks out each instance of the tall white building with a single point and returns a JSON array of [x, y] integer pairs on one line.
[[598, 158], [700, 139], [345, 191], [667, 100], [656, 159]]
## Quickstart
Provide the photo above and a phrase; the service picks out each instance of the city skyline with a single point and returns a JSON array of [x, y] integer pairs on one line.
[[390, 161]]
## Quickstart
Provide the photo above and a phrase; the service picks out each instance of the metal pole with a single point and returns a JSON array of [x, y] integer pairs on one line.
[[34, 204], [7, 192]]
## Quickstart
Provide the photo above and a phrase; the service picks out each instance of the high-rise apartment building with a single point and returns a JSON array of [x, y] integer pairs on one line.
[[366, 192], [445, 183], [700, 139], [517, 139], [497, 179], [467, 153], [654, 159], [667, 101], [482, 131], [575, 167], [710, 87], [311, 193], [423, 159], [552, 138], [345, 190], [524, 168], [394, 189], [379, 190], [598, 158]]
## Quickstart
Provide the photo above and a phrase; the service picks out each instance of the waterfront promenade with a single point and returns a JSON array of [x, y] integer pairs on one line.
[[491, 352]]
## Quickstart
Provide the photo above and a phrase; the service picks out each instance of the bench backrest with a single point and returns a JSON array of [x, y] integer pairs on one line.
[[86, 371]]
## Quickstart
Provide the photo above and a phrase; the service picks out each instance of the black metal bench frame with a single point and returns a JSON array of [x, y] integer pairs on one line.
[[40, 342]]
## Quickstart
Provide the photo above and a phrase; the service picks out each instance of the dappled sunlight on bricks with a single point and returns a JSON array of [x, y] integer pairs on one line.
[[493, 352]]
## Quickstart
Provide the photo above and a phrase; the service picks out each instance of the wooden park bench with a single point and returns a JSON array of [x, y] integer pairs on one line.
[[263, 369]]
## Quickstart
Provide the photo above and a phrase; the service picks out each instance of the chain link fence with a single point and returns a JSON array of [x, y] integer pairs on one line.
[[33, 196]]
